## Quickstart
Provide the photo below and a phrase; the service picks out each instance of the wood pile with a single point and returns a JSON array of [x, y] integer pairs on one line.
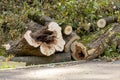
[[45, 41]]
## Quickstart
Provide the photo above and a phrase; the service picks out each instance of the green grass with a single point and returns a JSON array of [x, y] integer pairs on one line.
[[5, 65]]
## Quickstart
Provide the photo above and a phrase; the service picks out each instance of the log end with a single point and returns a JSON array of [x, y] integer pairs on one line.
[[68, 30], [48, 39], [101, 23], [79, 51], [30, 40], [60, 42]]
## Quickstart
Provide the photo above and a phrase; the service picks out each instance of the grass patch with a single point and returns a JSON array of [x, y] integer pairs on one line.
[[6, 65]]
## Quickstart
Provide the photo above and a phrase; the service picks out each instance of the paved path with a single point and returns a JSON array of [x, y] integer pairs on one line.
[[66, 71]]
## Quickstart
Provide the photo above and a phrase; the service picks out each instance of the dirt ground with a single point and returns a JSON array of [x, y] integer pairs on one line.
[[76, 70]]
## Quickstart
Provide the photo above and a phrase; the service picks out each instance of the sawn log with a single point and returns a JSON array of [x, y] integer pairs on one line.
[[41, 41], [95, 48], [30, 60], [101, 23]]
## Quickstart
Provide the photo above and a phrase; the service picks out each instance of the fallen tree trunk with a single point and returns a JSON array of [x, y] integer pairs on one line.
[[99, 46], [42, 42], [105, 21], [96, 48], [59, 57]]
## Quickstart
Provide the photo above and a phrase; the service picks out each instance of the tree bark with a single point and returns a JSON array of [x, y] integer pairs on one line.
[[59, 57], [96, 48], [99, 46], [43, 41], [33, 26], [105, 21]]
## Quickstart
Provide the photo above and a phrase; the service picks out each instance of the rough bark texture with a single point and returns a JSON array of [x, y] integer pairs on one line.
[[33, 26], [103, 41], [23, 48], [105, 21], [97, 47], [59, 57], [42, 41]]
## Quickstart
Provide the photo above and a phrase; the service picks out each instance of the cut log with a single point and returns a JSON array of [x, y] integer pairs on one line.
[[69, 39], [44, 20], [96, 48], [103, 41], [78, 50], [67, 30], [33, 26], [105, 21], [59, 57], [43, 42]]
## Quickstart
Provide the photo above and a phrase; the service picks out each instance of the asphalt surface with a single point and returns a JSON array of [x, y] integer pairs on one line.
[[94, 70]]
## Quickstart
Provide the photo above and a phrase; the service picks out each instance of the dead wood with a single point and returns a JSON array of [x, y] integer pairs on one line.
[[95, 48], [103, 41], [59, 57], [78, 50], [33, 26], [67, 30], [101, 23], [42, 42]]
